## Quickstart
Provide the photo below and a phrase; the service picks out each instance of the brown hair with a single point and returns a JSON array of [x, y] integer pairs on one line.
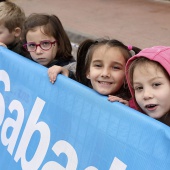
[[143, 61], [52, 26], [11, 15]]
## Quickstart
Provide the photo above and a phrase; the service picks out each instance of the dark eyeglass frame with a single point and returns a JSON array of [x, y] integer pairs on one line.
[[40, 45]]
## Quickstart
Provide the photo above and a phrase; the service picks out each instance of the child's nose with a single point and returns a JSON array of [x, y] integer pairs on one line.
[[38, 49], [105, 73], [147, 94]]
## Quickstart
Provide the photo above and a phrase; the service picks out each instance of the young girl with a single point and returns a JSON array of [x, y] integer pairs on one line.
[[101, 66], [149, 82], [48, 44]]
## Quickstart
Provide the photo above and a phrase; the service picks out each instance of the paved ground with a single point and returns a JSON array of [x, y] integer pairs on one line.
[[142, 23]]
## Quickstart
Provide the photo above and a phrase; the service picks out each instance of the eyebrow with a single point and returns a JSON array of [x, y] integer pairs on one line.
[[115, 62], [152, 79], [97, 61]]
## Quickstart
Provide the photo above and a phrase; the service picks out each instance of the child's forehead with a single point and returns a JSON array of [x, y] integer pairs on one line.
[[109, 57], [37, 29], [104, 48], [37, 34], [149, 68]]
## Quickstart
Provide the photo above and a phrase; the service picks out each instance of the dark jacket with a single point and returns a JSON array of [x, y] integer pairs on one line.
[[70, 65], [19, 49]]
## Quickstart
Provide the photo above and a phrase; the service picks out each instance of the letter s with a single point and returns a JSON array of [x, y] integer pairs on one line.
[[4, 77]]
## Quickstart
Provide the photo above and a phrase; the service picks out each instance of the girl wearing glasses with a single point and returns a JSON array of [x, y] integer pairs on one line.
[[48, 44]]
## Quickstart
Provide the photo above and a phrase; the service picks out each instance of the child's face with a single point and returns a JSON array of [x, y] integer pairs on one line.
[[6, 37], [39, 55], [107, 70], [152, 90]]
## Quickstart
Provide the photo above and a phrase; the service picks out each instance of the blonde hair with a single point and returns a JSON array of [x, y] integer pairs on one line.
[[11, 15]]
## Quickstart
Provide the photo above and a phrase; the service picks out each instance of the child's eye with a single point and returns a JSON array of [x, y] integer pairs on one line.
[[97, 65], [30, 45], [156, 84], [116, 67], [45, 43], [138, 88]]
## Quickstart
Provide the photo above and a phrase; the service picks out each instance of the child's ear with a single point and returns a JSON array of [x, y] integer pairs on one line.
[[88, 75], [17, 32]]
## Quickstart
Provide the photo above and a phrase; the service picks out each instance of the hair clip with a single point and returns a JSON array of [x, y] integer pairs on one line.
[[130, 50], [129, 47]]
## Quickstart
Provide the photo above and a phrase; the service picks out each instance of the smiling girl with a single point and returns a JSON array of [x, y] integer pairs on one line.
[[101, 66]]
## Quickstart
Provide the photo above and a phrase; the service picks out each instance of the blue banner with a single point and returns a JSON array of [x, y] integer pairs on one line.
[[67, 126]]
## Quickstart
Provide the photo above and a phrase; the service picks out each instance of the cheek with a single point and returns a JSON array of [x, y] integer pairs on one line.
[[164, 96], [32, 54], [6, 38], [2, 39], [54, 52], [138, 98], [90, 73], [120, 77]]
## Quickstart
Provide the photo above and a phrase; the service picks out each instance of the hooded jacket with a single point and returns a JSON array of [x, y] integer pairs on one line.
[[160, 54]]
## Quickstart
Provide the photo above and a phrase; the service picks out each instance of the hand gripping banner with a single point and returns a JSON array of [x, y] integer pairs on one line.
[[67, 126]]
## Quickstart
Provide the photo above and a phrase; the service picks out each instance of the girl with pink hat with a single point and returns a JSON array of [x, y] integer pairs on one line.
[[148, 78]]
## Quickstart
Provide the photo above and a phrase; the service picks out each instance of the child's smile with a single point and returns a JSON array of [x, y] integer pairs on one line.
[[106, 71]]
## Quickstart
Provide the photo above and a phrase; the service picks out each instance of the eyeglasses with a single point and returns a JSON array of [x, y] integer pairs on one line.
[[44, 45]]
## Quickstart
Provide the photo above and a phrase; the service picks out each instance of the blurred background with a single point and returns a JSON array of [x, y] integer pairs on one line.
[[141, 23]]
